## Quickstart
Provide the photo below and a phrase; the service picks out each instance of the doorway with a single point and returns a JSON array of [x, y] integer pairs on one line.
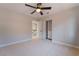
[[49, 29], [35, 29]]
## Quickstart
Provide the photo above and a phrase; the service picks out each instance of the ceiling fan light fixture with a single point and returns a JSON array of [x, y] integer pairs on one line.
[[38, 10]]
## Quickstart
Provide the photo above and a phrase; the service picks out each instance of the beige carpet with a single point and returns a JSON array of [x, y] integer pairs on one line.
[[38, 48]]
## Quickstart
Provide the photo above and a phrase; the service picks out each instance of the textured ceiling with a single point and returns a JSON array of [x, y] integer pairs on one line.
[[21, 8]]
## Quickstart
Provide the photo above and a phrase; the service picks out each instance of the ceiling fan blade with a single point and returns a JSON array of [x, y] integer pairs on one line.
[[45, 8], [30, 6], [41, 12], [33, 12]]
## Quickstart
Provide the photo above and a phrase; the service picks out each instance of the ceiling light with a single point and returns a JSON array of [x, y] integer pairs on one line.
[[38, 10]]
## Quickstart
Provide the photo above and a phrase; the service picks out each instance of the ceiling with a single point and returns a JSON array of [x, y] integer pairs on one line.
[[21, 8]]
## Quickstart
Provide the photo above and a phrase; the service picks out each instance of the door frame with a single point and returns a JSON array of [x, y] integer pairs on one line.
[[47, 30]]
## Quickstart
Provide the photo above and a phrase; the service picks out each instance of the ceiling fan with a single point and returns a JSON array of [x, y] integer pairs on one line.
[[38, 8]]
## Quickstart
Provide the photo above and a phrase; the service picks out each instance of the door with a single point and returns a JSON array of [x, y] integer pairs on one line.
[[49, 29]]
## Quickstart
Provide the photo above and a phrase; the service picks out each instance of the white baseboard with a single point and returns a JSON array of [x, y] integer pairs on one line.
[[11, 43], [66, 44]]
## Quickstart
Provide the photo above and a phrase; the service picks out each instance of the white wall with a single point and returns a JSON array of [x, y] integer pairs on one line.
[[17, 26], [76, 41], [65, 26]]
